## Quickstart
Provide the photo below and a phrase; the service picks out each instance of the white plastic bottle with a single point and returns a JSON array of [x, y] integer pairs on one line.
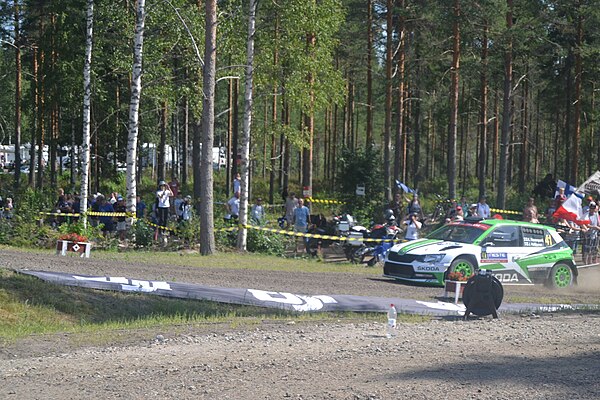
[[392, 315]]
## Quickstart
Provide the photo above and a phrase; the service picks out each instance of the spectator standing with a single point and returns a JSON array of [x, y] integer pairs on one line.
[[560, 198], [186, 208], [459, 215], [412, 227], [590, 242], [397, 207], [464, 204], [178, 203], [233, 207], [290, 205], [530, 212], [257, 214], [8, 208], [472, 212], [121, 207], [237, 183], [163, 203], [174, 186], [301, 220], [140, 207], [483, 209], [106, 220], [414, 207]]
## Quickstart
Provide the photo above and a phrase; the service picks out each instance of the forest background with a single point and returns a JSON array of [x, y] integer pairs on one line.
[[443, 95]]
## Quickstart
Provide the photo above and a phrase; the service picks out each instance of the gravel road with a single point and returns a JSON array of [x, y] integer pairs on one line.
[[547, 356]]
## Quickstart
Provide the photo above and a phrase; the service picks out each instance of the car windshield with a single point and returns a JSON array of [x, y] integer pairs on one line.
[[458, 233]]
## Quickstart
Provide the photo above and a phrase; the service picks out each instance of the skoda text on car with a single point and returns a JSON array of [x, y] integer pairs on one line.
[[516, 252]]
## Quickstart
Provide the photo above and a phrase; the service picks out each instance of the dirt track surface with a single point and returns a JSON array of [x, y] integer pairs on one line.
[[548, 356]]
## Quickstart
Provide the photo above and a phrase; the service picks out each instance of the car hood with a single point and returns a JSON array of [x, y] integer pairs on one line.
[[429, 246]]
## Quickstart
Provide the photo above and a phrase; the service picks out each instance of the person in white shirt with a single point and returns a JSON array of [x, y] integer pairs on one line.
[[186, 208], [258, 214], [163, 203], [483, 209], [412, 227], [233, 206]]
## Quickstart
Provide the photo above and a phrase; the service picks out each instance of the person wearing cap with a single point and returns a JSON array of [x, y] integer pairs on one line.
[[483, 209], [472, 211], [186, 208], [590, 240], [163, 203], [530, 212], [412, 227], [121, 207], [257, 214]]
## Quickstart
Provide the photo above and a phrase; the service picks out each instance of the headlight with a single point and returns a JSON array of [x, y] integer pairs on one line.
[[433, 258]]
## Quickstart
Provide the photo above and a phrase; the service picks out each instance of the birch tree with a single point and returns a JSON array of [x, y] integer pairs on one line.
[[87, 94], [134, 105], [242, 235]]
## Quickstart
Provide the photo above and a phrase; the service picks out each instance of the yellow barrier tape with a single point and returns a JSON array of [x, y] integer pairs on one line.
[[318, 236], [496, 210], [161, 227], [92, 213], [323, 201]]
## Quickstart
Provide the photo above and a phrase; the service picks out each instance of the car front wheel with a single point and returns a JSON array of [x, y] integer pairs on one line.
[[561, 276], [463, 265]]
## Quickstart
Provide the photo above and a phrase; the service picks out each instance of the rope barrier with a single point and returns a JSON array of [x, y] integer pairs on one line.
[[318, 236], [324, 201]]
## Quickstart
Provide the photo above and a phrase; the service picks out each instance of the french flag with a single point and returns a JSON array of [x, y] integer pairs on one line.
[[571, 211]]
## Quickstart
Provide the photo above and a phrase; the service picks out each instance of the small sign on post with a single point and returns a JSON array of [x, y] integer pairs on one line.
[[360, 190], [306, 191]]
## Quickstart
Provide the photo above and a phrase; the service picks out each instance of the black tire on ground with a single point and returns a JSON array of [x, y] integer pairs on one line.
[[497, 293]]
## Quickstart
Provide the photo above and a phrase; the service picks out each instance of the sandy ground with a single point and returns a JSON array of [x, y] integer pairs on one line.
[[547, 356]]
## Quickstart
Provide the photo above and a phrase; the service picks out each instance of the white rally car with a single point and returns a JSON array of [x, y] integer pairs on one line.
[[516, 252]]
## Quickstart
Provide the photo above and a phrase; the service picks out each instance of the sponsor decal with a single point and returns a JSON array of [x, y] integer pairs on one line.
[[507, 278], [427, 268], [128, 285], [493, 257], [297, 301]]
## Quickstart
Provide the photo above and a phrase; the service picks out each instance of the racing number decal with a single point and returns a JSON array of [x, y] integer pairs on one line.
[[548, 239]]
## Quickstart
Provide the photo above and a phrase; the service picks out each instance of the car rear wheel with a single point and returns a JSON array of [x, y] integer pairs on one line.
[[561, 276], [463, 265]]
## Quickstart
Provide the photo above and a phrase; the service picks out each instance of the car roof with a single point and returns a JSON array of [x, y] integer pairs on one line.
[[492, 222]]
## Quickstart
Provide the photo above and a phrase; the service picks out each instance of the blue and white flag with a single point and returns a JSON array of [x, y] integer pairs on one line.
[[404, 188], [569, 190]]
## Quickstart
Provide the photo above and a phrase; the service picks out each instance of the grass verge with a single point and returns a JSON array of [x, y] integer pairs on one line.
[[30, 306]]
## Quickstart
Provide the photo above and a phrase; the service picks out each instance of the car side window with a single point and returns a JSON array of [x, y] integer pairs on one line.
[[535, 237], [504, 236]]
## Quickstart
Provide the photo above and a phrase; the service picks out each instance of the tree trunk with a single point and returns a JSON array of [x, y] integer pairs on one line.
[[87, 94], [274, 122], [162, 170], [387, 138], [578, 100], [185, 141], [207, 234], [400, 139], [524, 159], [134, 104], [309, 120], [452, 130], [17, 98], [369, 138], [482, 159], [235, 130], [506, 110], [248, 100]]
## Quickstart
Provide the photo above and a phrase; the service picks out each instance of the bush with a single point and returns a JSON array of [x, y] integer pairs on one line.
[[143, 234], [267, 242]]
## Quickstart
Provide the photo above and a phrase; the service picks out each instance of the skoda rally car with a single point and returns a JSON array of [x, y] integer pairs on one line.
[[516, 252]]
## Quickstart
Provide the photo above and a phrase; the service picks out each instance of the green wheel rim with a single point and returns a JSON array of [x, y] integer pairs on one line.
[[562, 276], [464, 267]]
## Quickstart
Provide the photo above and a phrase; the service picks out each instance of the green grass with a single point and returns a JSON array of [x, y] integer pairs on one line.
[[229, 260], [30, 306]]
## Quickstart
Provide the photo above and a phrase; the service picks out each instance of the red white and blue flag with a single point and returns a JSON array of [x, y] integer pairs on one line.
[[571, 210]]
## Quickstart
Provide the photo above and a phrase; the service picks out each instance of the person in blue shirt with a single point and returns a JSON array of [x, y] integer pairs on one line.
[[301, 220], [107, 220], [140, 207]]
